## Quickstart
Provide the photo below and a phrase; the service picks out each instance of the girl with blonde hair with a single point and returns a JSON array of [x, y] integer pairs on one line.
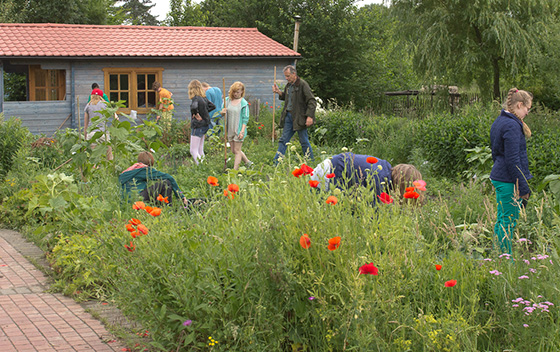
[[510, 172], [237, 117]]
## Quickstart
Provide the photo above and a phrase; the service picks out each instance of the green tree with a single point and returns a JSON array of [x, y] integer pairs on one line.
[[9, 12], [60, 11], [185, 13], [468, 41], [137, 12]]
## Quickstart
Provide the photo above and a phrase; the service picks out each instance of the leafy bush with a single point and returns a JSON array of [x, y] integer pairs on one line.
[[12, 136]]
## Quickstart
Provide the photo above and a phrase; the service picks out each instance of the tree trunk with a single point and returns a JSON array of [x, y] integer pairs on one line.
[[496, 68]]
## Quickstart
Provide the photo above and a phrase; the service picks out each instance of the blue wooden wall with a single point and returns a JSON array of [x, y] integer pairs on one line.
[[46, 117]]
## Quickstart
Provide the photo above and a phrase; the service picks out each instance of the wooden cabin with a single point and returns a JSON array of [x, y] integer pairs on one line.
[[48, 69]]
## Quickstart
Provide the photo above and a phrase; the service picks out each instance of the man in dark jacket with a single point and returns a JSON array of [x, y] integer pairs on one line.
[[298, 112]]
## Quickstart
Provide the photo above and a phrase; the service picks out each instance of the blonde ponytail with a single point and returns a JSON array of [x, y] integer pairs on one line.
[[515, 96]]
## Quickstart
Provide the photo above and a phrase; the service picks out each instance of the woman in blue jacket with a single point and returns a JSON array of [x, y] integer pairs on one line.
[[510, 172], [237, 111]]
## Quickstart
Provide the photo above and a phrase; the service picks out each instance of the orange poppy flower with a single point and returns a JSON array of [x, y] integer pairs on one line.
[[155, 211], [228, 194], [334, 243], [148, 209], [306, 169], [134, 234], [143, 229], [372, 160], [212, 181], [450, 283], [134, 222], [313, 183], [304, 241], [438, 267], [129, 227], [162, 199], [411, 195], [332, 200], [130, 248], [138, 205], [233, 188], [297, 172]]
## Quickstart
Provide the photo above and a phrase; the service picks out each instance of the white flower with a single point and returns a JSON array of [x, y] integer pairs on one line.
[[293, 148], [380, 167], [344, 149]]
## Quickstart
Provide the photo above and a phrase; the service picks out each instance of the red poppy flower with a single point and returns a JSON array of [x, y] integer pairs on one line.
[[385, 198], [228, 194], [134, 222], [332, 200], [411, 195], [162, 199], [143, 229], [450, 283], [130, 248], [304, 241], [331, 175], [148, 209], [155, 211], [409, 189], [369, 269], [212, 181], [138, 205], [297, 172], [372, 160], [233, 188], [313, 183], [134, 234], [334, 243], [306, 169], [129, 227], [438, 267], [260, 127]]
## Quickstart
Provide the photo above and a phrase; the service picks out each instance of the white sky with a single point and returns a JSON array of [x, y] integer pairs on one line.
[[161, 7]]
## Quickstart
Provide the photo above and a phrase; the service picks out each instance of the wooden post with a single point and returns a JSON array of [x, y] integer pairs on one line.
[[273, 106], [79, 117], [225, 123]]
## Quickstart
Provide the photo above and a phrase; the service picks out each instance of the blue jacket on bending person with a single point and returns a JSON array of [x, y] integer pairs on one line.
[[354, 170]]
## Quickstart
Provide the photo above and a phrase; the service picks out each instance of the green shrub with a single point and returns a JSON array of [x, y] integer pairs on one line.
[[12, 136]]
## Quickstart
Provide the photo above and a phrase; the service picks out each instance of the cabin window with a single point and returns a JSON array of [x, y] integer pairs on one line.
[[46, 84], [133, 86]]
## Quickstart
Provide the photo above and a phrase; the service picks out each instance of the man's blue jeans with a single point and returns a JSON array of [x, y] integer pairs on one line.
[[287, 134]]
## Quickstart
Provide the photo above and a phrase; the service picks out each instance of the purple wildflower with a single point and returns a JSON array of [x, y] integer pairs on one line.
[[187, 322], [523, 277]]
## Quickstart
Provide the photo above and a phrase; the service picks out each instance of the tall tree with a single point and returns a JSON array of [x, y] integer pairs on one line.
[[466, 41], [60, 11], [185, 13], [137, 12]]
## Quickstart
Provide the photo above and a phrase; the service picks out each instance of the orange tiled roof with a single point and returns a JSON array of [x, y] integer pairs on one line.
[[75, 40]]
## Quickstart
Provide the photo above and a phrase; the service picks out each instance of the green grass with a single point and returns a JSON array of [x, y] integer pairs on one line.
[[236, 270]]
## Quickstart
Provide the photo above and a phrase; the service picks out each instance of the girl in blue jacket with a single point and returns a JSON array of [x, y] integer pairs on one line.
[[510, 172]]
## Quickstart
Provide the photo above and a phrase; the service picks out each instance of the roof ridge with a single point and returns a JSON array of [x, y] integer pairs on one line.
[[69, 25]]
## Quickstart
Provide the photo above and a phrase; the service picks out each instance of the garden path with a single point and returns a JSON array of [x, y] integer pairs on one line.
[[32, 319]]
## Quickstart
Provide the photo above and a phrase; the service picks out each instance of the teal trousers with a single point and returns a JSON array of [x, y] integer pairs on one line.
[[508, 213]]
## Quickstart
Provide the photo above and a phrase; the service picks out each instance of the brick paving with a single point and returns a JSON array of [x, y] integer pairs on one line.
[[34, 320]]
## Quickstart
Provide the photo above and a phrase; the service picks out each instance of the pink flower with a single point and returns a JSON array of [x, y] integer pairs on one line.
[[420, 185]]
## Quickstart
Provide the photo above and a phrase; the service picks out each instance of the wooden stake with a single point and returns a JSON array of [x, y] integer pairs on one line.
[[79, 118], [273, 107], [225, 123]]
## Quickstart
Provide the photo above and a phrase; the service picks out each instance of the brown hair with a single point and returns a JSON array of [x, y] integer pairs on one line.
[[402, 176], [236, 86], [146, 158], [519, 96], [195, 88], [205, 85], [156, 85]]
